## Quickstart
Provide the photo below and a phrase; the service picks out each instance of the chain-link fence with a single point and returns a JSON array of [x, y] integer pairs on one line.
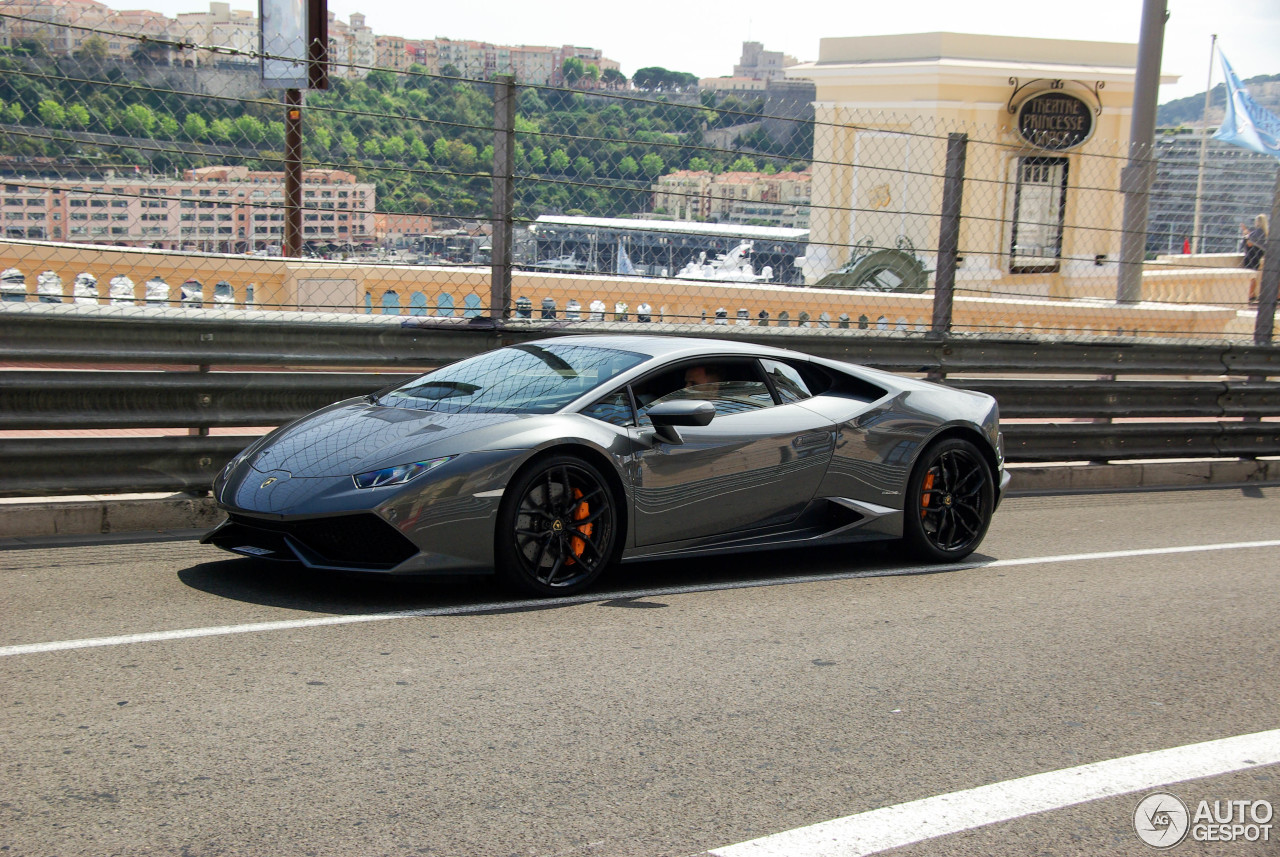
[[141, 167]]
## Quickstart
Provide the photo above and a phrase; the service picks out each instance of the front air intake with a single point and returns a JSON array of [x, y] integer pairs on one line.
[[362, 541]]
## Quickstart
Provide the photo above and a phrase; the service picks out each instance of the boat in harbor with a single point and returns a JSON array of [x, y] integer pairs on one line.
[[569, 264], [732, 267]]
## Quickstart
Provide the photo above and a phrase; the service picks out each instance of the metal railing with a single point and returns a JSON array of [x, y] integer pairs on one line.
[[165, 370]]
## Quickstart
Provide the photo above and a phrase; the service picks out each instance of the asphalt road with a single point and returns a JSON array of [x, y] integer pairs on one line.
[[649, 720]]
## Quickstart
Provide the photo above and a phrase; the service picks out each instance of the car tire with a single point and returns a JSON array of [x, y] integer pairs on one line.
[[557, 527], [950, 500]]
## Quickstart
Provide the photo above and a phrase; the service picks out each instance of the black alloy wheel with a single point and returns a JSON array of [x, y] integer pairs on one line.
[[950, 499], [557, 527]]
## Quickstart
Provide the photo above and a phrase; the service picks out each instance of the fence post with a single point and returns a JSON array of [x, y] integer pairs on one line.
[[292, 172], [949, 234], [504, 162], [1264, 325]]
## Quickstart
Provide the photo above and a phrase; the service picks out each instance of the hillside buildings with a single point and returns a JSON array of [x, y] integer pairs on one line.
[[216, 209], [64, 26]]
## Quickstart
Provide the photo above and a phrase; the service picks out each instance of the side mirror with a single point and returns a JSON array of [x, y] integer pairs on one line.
[[665, 416]]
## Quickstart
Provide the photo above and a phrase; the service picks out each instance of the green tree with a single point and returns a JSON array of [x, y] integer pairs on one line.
[[51, 113], [194, 126], [699, 165], [94, 49], [321, 138], [394, 147], [440, 150], [419, 149], [537, 159], [743, 165], [652, 165], [583, 167], [613, 78], [559, 161], [371, 147], [78, 116], [168, 126], [572, 70], [221, 130], [462, 155], [628, 166], [275, 135], [249, 129], [14, 113], [381, 80], [138, 120]]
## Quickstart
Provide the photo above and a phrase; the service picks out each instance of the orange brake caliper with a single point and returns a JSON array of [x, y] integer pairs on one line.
[[924, 500], [583, 511]]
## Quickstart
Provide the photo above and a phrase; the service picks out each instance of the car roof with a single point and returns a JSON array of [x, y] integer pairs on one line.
[[671, 347]]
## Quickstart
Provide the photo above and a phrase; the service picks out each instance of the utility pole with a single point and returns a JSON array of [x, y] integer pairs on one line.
[[1136, 178]]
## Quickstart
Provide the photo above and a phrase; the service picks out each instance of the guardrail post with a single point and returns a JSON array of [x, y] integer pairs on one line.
[[1264, 325], [949, 234], [504, 167]]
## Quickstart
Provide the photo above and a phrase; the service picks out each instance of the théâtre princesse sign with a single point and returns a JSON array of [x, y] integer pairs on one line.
[[1055, 120]]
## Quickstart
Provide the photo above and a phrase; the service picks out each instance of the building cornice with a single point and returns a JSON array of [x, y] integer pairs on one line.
[[944, 68]]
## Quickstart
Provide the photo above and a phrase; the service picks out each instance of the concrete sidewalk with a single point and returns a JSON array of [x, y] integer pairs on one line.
[[40, 519]]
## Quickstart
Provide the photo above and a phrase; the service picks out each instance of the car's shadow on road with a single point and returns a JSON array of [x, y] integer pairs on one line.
[[294, 587]]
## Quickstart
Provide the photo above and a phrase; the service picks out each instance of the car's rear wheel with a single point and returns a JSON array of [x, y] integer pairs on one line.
[[556, 528], [950, 499]]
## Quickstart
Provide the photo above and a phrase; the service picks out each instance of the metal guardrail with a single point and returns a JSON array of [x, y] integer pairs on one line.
[[188, 337], [56, 333], [101, 400], [1038, 399], [1216, 416], [1110, 442]]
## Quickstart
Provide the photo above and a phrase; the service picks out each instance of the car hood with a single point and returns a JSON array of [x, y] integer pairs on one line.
[[356, 436]]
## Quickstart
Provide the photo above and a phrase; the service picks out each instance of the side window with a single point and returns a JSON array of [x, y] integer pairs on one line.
[[614, 408], [787, 381], [732, 386]]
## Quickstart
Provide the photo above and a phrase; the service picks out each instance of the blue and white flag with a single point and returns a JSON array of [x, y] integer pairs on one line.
[[1247, 123], [624, 261]]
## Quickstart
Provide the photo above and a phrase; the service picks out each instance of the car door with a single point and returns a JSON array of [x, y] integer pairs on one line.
[[757, 464]]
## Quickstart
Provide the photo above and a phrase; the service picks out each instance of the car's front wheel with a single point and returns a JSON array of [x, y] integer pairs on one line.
[[556, 528], [950, 500]]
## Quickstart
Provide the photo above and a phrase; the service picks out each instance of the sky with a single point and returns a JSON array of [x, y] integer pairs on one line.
[[705, 38]]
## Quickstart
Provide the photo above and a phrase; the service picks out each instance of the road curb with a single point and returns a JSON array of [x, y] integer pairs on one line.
[[57, 516], [1030, 480], [45, 517]]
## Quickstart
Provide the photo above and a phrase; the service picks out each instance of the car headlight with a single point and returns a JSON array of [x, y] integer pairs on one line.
[[397, 475]]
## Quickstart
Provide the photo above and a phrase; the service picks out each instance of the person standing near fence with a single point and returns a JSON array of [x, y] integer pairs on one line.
[[1255, 242]]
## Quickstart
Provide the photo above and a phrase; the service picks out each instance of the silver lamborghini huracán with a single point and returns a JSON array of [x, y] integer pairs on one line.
[[548, 462]]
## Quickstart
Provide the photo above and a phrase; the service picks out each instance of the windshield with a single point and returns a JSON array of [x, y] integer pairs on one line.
[[522, 379]]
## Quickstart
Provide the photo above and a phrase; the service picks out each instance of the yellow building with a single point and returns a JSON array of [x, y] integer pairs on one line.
[[1048, 122]]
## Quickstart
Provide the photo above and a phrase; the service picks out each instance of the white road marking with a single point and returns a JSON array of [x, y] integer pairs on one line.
[[496, 606], [908, 823]]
